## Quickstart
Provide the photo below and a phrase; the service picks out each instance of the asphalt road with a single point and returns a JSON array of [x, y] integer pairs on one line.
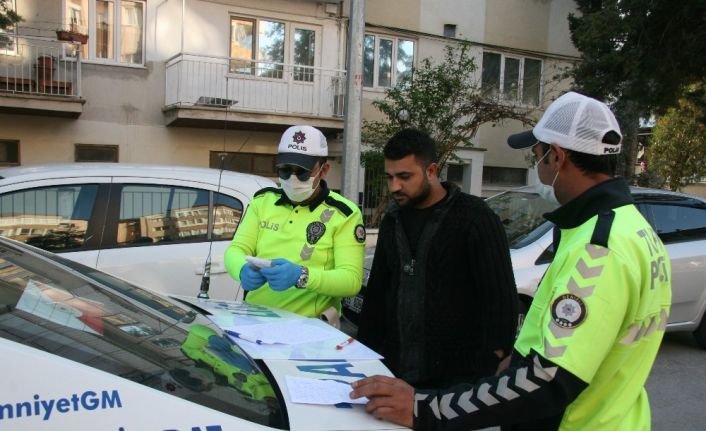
[[677, 385]]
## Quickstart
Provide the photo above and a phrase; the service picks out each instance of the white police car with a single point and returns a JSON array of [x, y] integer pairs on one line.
[[152, 225], [82, 350]]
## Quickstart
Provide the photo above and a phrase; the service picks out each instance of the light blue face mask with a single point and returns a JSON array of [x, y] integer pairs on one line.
[[545, 191]]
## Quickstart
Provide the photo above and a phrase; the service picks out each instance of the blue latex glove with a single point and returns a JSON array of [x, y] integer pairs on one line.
[[251, 278], [282, 275]]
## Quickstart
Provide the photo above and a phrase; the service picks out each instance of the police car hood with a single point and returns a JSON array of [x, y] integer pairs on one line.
[[311, 417]]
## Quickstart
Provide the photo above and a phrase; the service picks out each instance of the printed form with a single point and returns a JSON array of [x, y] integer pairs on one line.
[[304, 390]]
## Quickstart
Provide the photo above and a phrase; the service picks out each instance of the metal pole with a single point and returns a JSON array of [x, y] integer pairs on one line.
[[354, 95], [183, 14]]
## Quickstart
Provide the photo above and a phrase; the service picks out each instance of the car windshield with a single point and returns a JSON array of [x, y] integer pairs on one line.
[[59, 307], [521, 214]]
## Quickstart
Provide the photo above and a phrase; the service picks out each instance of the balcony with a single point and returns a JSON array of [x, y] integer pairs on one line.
[[39, 76], [206, 91]]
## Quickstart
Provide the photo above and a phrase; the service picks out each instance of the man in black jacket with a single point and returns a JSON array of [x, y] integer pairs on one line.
[[440, 303]]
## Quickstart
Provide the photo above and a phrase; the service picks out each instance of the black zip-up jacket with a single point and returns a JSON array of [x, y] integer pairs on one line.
[[437, 317]]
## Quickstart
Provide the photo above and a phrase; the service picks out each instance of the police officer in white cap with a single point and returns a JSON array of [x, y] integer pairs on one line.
[[589, 340], [313, 237]]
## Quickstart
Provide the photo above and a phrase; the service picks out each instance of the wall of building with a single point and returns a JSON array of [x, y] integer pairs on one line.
[[42, 17], [519, 24], [467, 15], [398, 14], [698, 189], [559, 36]]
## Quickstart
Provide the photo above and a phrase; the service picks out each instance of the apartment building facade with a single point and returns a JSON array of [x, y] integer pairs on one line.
[[215, 82]]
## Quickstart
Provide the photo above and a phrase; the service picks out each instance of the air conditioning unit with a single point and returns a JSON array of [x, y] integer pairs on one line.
[[215, 102]]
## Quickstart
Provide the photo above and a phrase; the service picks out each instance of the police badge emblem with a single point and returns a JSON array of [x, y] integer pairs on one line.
[[359, 233], [315, 231], [298, 137], [568, 311]]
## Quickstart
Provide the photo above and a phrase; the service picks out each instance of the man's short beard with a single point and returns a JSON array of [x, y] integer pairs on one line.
[[412, 202]]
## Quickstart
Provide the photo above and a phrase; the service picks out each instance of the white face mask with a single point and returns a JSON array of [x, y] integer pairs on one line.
[[544, 190], [296, 190]]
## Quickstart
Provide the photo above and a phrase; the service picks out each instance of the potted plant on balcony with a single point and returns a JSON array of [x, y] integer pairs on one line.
[[73, 34], [45, 67]]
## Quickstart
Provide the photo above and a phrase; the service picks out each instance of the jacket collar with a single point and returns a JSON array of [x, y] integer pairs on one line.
[[605, 196], [323, 193]]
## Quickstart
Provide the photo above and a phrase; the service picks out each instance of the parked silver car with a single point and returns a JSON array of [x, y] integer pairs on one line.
[[151, 225], [678, 219]]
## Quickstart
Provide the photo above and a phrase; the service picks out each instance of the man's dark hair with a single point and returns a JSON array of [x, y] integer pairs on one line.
[[592, 163], [411, 141]]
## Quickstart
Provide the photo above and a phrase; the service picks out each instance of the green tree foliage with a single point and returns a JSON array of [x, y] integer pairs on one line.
[[677, 150], [642, 50], [444, 99], [640, 54], [8, 16]]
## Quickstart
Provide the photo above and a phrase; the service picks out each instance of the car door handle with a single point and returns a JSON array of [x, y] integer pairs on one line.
[[215, 269]]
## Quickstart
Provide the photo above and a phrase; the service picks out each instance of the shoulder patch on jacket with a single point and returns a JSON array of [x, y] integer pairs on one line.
[[268, 189], [345, 209], [359, 233], [601, 231]]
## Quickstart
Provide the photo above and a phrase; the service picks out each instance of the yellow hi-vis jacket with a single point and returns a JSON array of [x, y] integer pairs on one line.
[[326, 236]]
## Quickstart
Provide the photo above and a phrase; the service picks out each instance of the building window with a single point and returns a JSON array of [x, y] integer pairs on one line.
[[115, 29], [9, 152], [261, 47], [497, 176], [454, 174], [304, 54], [8, 36], [386, 60], [449, 30], [516, 79], [96, 153], [249, 163]]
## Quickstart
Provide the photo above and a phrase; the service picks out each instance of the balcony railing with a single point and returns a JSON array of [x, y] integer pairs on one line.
[[254, 86], [39, 67]]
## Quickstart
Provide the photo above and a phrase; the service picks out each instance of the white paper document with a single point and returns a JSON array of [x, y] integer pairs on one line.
[[325, 348], [315, 391], [279, 334], [287, 332]]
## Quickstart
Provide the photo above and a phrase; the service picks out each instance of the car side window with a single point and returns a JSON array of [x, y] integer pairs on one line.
[[159, 214], [675, 223], [53, 218], [227, 215]]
